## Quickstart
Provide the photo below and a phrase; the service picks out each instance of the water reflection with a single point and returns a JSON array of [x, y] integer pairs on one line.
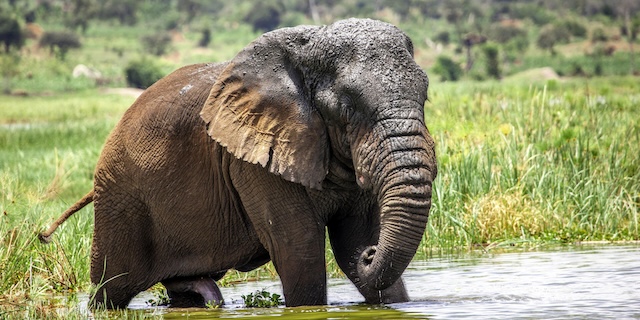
[[575, 283]]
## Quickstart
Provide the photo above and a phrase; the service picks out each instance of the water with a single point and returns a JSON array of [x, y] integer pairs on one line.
[[596, 282]]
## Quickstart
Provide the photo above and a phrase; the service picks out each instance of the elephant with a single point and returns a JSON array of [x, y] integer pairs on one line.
[[308, 132]]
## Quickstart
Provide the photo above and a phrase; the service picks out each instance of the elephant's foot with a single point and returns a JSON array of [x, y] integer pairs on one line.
[[394, 294], [193, 292]]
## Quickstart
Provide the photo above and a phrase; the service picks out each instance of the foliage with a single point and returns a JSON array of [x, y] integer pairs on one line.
[[206, 38], [492, 63], [10, 33], [573, 27], [142, 73], [262, 299], [124, 11], [156, 43], [504, 33], [448, 69], [599, 35], [59, 42], [550, 36], [265, 15]]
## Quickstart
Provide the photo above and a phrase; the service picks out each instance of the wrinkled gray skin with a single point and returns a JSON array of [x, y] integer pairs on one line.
[[221, 166]]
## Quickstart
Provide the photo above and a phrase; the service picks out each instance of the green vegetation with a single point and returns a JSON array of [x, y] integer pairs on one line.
[[543, 156], [262, 299]]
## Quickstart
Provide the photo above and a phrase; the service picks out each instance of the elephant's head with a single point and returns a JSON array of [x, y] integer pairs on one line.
[[304, 102]]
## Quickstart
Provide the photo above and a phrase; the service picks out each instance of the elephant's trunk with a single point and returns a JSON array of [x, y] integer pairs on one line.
[[401, 169]]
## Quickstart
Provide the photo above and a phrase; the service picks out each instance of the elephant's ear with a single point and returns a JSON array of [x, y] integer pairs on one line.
[[258, 110]]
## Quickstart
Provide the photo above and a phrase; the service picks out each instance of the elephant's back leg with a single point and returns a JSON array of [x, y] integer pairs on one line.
[[122, 252], [200, 291]]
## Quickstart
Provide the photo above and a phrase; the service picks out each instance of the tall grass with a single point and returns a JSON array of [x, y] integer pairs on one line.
[[555, 162]]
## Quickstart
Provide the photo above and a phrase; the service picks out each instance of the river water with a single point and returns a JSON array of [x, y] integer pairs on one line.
[[577, 282]]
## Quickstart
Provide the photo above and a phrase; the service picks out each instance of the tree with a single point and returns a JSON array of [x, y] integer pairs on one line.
[[447, 69], [125, 11], [265, 16], [156, 43], [551, 35], [10, 33], [492, 61], [59, 42], [82, 11], [469, 41]]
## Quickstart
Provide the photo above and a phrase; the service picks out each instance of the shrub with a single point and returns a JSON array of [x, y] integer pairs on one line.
[[10, 33], [157, 43], [574, 28], [443, 37], [492, 62], [599, 35], [503, 34], [59, 42], [447, 69], [206, 38], [265, 16], [551, 35], [143, 73]]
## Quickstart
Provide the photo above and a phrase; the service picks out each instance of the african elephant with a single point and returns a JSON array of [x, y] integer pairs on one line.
[[308, 130]]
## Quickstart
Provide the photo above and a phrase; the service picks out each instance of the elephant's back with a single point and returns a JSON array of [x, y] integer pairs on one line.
[[163, 118]]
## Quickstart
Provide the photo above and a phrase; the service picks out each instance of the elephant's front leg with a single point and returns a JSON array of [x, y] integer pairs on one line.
[[349, 236], [290, 229]]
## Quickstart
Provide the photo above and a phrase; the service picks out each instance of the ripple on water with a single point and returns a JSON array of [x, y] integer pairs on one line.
[[598, 282]]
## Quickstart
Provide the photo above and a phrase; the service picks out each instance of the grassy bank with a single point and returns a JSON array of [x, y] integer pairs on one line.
[[555, 162], [519, 163]]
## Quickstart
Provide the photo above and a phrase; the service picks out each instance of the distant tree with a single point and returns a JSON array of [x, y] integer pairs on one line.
[[10, 32], [631, 27], [206, 38], [599, 35], [469, 41], [550, 36], [443, 37], [60, 42], [81, 13], [265, 15], [156, 43], [448, 69], [573, 27], [504, 33], [492, 61], [142, 73], [125, 11], [190, 7]]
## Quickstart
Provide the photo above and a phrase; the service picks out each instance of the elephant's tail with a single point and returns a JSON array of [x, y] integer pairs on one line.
[[45, 237]]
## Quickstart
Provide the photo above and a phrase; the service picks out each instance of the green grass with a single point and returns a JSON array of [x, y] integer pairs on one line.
[[519, 164], [554, 162]]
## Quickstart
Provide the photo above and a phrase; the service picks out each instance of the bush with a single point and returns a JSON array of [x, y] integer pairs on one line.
[[551, 35], [157, 43], [10, 33], [59, 42], [447, 69], [206, 38], [492, 62], [143, 73], [503, 34], [265, 16], [574, 28], [443, 37], [599, 35]]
